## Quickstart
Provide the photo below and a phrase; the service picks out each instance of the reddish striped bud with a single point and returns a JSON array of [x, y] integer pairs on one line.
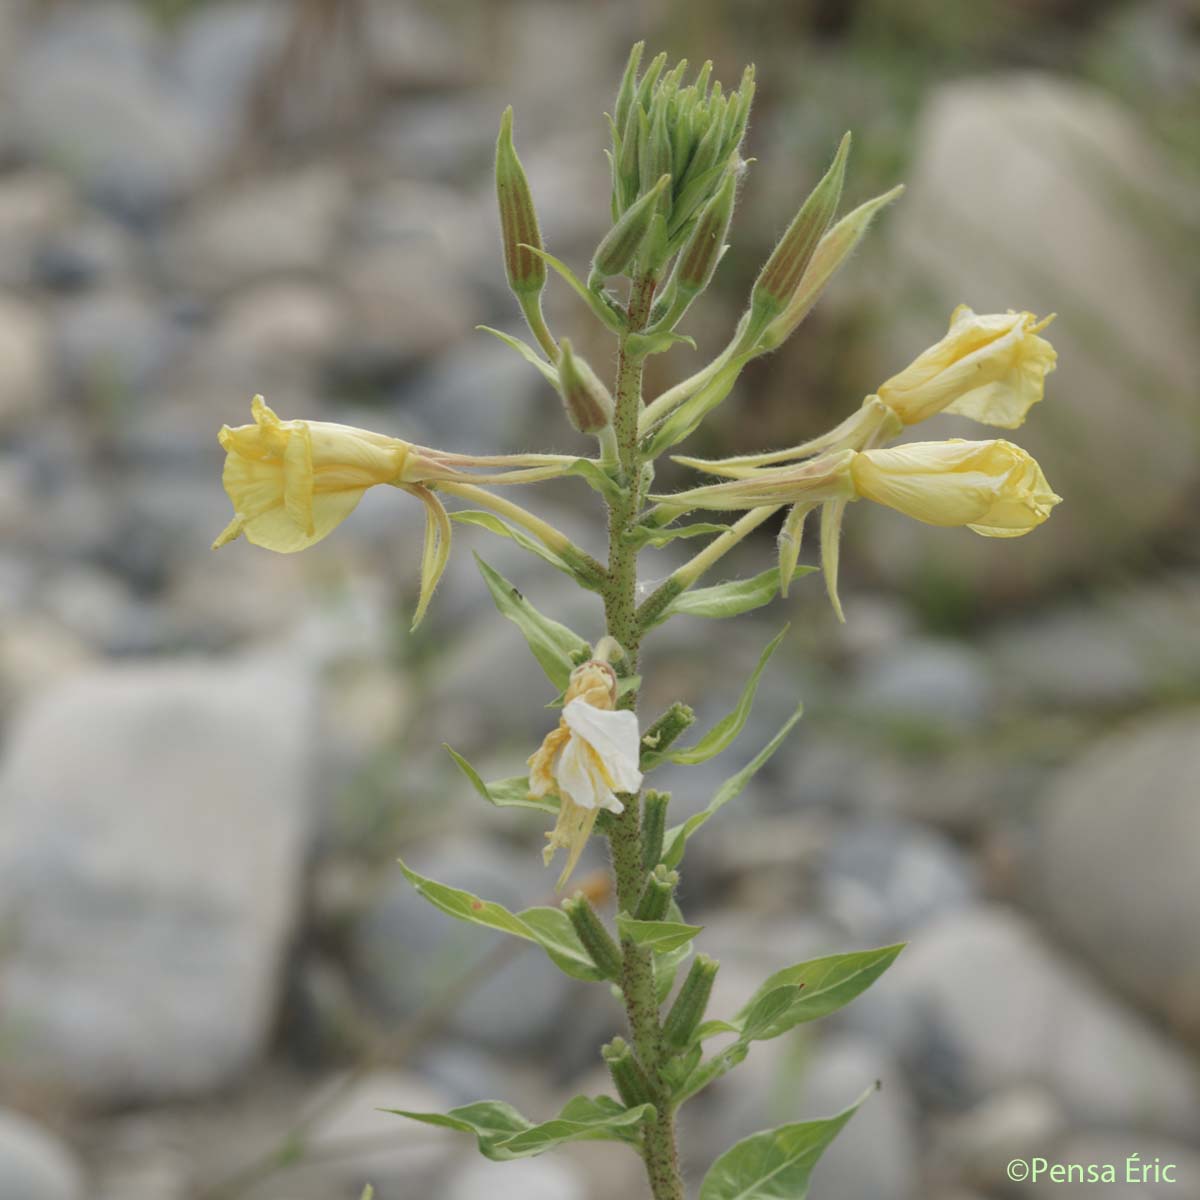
[[518, 219]]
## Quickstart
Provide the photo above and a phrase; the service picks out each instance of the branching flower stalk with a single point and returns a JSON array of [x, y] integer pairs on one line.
[[676, 171]]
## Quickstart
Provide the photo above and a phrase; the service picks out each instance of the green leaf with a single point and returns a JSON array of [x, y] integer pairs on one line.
[[707, 1072], [660, 936], [597, 478], [642, 344], [666, 963], [677, 836], [503, 1134], [603, 313], [527, 352], [552, 932], [492, 523], [554, 646], [728, 599], [774, 1165], [722, 734], [643, 535], [503, 793], [810, 990]]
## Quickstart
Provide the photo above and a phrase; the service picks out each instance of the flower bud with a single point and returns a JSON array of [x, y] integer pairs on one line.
[[676, 720], [619, 247], [588, 405], [993, 488], [627, 1075], [518, 220], [688, 1010], [700, 255], [780, 276], [654, 825], [656, 896], [628, 89], [596, 940]]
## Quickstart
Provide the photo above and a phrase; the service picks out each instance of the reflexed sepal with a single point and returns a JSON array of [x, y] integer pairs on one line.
[[654, 825], [656, 896], [690, 1005], [775, 1163], [596, 940], [627, 1075]]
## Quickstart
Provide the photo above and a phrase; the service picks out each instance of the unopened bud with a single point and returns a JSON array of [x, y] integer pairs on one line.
[[628, 87], [675, 721], [778, 279], [596, 940], [654, 827], [587, 402], [619, 247], [699, 257], [627, 1075], [833, 249], [688, 1010], [518, 218], [656, 896]]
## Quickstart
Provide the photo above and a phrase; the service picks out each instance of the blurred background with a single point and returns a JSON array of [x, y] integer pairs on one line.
[[210, 965]]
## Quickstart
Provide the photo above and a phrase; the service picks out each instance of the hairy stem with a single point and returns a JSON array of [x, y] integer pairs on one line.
[[620, 608]]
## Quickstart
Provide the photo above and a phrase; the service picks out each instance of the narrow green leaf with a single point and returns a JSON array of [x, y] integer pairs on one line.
[[708, 1072], [728, 599], [661, 936], [597, 478], [811, 990], [552, 932], [677, 836], [492, 523], [722, 734], [776, 1164], [526, 351], [641, 344], [592, 299], [554, 646], [503, 1134], [503, 793], [643, 535]]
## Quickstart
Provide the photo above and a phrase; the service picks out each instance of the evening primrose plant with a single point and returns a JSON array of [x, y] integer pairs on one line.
[[676, 171]]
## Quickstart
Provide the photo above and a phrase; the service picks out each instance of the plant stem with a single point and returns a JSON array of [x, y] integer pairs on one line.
[[620, 608]]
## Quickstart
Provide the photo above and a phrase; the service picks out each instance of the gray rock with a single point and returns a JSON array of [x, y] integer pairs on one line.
[[1034, 193], [923, 680], [526, 1179], [35, 1165], [34, 204], [149, 878], [406, 952], [25, 352], [884, 882], [979, 1004], [87, 93], [1115, 862]]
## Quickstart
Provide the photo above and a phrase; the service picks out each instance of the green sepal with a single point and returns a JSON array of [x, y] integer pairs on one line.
[[775, 1163], [550, 928], [526, 351], [503, 1134], [663, 937], [723, 733], [729, 599], [601, 308], [676, 837], [553, 645], [503, 793]]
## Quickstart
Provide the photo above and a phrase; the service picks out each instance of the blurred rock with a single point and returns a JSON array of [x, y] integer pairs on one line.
[[87, 93], [1114, 865], [979, 1004], [269, 225], [526, 1179], [149, 878], [1034, 193], [408, 953], [24, 351], [35, 1165], [89, 251], [884, 881], [920, 680], [410, 1156], [33, 204]]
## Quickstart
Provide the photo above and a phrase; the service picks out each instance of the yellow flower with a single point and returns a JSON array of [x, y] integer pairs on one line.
[[993, 488], [991, 368], [590, 757]]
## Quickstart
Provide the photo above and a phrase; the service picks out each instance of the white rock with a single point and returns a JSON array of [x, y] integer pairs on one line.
[[154, 822], [1115, 864], [34, 1165]]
